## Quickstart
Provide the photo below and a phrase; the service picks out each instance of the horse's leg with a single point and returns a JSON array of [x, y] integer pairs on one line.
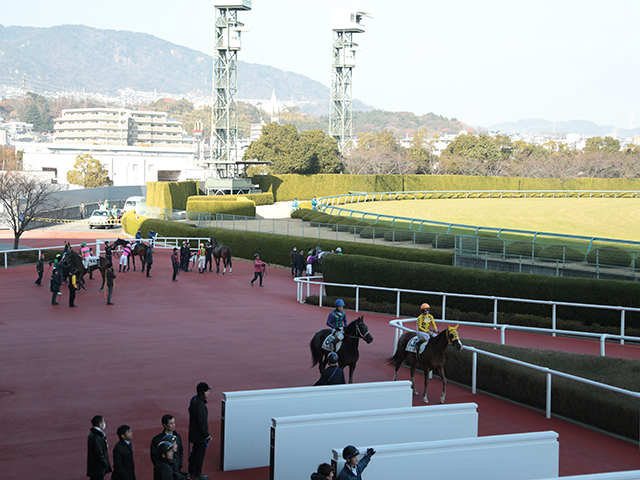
[[413, 382], [426, 382], [229, 263], [352, 367], [217, 259], [444, 384], [132, 259], [103, 273]]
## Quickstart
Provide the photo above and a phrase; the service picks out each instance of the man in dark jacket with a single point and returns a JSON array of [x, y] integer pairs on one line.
[[294, 261], [97, 450], [40, 270], [175, 263], [199, 431], [333, 374], [302, 264], [123, 466], [149, 259], [354, 468], [168, 428], [108, 252], [208, 256], [55, 283], [110, 277], [164, 469]]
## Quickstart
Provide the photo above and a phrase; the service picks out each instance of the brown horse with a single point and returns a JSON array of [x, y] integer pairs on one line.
[[221, 252], [76, 261], [432, 359], [138, 250]]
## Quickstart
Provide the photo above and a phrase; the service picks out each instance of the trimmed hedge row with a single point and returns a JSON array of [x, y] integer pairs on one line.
[[609, 411], [257, 198], [288, 187], [171, 195], [274, 248], [352, 269], [226, 205]]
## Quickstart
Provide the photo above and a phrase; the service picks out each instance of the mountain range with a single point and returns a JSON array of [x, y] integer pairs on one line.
[[534, 126]]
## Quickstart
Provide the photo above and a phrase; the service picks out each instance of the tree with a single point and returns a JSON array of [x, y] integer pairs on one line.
[[420, 152], [23, 198], [599, 144], [88, 173]]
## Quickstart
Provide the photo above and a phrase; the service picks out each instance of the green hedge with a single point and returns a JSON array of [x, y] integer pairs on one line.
[[606, 256], [257, 198], [609, 411], [275, 248], [353, 269], [561, 253], [171, 195], [229, 205]]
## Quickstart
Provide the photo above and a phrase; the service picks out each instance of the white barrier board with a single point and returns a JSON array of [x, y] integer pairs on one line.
[[316, 434], [246, 416], [628, 475], [523, 456]]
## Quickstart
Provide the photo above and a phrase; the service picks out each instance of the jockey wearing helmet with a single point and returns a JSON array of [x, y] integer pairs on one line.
[[337, 320], [85, 253], [426, 325]]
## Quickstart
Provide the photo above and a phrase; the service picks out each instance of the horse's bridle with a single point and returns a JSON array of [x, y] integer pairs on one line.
[[360, 334]]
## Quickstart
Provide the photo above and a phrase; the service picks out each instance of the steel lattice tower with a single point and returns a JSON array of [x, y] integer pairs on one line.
[[224, 112], [345, 24]]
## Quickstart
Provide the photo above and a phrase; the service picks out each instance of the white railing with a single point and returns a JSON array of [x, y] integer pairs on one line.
[[398, 325], [39, 250], [301, 281]]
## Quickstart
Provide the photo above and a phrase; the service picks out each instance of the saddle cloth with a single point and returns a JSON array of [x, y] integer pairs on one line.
[[412, 345], [328, 344], [90, 261]]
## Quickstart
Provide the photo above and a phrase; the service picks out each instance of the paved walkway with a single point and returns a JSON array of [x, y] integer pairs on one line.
[[141, 358]]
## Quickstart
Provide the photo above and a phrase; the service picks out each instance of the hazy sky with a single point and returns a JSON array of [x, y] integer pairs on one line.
[[482, 62]]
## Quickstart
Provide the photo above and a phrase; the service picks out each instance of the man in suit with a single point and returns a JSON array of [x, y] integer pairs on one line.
[[199, 431], [97, 450], [123, 466]]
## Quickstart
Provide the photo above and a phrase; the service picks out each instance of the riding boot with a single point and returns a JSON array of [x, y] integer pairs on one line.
[[119, 268]]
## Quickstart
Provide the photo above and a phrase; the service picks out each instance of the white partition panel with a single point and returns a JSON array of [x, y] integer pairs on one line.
[[628, 475], [523, 456], [316, 434], [246, 416]]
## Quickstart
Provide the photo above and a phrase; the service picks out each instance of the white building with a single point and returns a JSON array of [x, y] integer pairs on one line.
[[119, 127]]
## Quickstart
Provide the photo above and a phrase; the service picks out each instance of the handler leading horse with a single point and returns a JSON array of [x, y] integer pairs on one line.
[[139, 250], [432, 358]]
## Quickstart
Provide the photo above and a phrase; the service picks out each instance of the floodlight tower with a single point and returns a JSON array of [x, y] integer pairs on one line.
[[224, 114], [344, 23]]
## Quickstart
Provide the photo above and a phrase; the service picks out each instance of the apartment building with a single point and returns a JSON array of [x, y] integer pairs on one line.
[[118, 127]]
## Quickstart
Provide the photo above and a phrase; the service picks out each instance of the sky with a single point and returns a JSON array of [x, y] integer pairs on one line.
[[480, 62]]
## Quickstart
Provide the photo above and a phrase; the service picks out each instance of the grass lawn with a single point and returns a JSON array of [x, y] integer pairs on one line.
[[599, 217]]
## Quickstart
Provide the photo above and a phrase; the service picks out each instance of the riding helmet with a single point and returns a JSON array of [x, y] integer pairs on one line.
[[349, 451], [425, 306], [332, 357], [83, 244], [339, 303], [164, 447]]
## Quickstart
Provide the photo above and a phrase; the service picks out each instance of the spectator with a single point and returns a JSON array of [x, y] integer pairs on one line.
[[168, 428], [301, 264], [83, 210], [73, 286], [325, 472], [55, 283], [123, 465], [314, 203], [108, 252], [109, 280], [97, 450], [208, 253], [40, 270], [149, 259], [199, 431], [294, 205], [175, 263], [339, 251], [352, 468], [185, 256], [258, 269], [333, 374], [294, 261]]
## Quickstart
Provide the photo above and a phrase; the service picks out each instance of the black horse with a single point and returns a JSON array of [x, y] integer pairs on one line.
[[76, 261], [138, 250], [348, 354], [221, 252]]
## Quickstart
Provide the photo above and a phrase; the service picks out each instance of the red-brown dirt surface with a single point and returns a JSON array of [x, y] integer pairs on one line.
[[142, 358]]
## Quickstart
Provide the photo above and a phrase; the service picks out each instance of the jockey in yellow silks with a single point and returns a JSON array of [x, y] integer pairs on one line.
[[426, 324]]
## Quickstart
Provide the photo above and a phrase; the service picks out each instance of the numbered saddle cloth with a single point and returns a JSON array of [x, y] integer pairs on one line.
[[412, 345], [328, 344]]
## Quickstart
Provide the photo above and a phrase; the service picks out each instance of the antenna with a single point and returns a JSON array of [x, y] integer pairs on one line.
[[345, 23]]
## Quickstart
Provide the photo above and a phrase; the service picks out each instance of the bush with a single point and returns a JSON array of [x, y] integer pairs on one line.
[[605, 256], [444, 240], [490, 244], [372, 232], [229, 206], [399, 235], [171, 195], [298, 213], [562, 253], [425, 237], [522, 249], [257, 198]]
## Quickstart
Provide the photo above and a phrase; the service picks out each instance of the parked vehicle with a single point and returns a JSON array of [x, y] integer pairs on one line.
[[103, 219], [131, 202]]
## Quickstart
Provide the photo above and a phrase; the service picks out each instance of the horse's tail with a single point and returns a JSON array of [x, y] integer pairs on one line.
[[393, 360], [229, 257], [314, 351]]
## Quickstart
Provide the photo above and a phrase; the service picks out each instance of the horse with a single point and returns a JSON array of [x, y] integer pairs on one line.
[[139, 249], [221, 252], [348, 354], [76, 261], [432, 359]]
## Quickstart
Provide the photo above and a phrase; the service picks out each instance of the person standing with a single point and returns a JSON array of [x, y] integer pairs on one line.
[[124, 258], [208, 253], [175, 263], [55, 283], [83, 210], [110, 276], [185, 255], [199, 431], [108, 252], [314, 203], [301, 263], [139, 236], [40, 270], [97, 450], [168, 428], [325, 472], [165, 468], [294, 261], [258, 269], [149, 259], [333, 374], [123, 465], [294, 205], [152, 237], [201, 258], [354, 468], [73, 286]]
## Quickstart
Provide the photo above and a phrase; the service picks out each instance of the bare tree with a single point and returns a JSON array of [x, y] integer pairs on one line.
[[23, 198], [377, 162]]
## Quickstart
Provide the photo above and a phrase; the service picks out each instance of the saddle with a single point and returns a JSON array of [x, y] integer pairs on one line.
[[328, 344], [412, 345]]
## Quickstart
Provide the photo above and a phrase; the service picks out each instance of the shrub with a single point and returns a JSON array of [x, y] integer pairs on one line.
[[399, 235], [425, 237], [229, 206], [605, 256], [490, 244], [444, 240], [372, 232], [522, 249], [562, 253], [171, 195]]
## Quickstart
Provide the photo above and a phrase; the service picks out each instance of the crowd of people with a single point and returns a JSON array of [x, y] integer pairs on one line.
[[310, 264]]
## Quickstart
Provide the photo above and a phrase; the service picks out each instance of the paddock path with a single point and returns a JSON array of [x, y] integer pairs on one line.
[[141, 358]]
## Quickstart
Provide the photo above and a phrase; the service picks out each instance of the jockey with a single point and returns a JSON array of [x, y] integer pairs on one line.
[[85, 253], [124, 257], [426, 325], [337, 320], [201, 257]]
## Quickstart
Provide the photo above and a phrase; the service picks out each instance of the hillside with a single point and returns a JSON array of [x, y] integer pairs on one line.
[[535, 126]]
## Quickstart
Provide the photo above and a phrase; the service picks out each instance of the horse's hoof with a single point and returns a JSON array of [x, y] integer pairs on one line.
[[415, 392], [425, 400], [441, 399]]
